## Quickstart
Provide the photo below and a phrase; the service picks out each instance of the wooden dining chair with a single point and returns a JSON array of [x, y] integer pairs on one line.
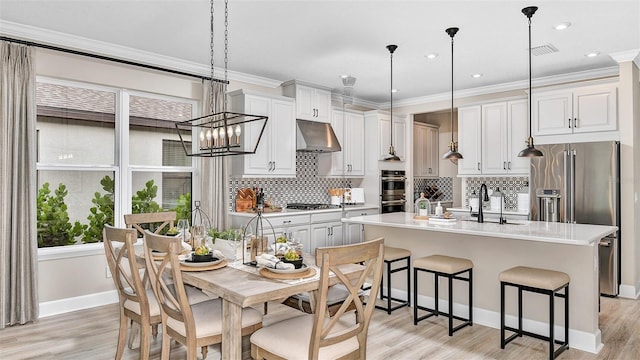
[[194, 326], [148, 221], [137, 303], [319, 336]]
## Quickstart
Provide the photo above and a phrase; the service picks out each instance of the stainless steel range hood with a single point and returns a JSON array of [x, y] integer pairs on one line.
[[314, 136]]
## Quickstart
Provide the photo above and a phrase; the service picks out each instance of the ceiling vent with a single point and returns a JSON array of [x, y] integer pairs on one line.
[[543, 49]]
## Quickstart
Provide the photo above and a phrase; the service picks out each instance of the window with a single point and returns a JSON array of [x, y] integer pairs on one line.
[[85, 179]]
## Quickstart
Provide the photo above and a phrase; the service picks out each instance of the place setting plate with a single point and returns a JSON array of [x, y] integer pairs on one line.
[[303, 268], [189, 265], [281, 274]]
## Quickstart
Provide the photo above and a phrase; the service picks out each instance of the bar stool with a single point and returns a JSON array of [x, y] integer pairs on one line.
[[391, 256], [451, 268], [542, 281]]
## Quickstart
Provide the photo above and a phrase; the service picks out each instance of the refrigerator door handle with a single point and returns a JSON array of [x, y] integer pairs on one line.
[[573, 185], [567, 194]]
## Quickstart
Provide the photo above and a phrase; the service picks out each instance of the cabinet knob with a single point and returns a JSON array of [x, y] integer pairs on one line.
[[569, 123]]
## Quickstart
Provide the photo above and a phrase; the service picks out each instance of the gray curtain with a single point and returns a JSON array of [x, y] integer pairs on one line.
[[214, 177], [18, 246]]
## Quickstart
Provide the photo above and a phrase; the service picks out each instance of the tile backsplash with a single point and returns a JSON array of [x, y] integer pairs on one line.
[[510, 186], [306, 187], [443, 184]]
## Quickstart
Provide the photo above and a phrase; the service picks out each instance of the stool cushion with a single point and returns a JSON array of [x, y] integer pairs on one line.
[[535, 278], [443, 264], [392, 253]]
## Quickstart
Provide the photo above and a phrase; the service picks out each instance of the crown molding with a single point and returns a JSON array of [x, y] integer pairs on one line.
[[515, 85], [73, 42], [628, 55]]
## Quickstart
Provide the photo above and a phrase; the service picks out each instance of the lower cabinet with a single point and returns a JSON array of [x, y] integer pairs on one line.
[[326, 234], [354, 233], [299, 233]]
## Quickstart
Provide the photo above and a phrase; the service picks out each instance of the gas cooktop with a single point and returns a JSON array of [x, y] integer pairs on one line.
[[307, 206]]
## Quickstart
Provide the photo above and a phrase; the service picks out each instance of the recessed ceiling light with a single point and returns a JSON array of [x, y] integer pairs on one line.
[[431, 56], [562, 26], [592, 54], [475, 76], [394, 90]]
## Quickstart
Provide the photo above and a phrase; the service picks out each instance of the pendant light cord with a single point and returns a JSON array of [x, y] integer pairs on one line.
[[212, 87], [391, 95], [452, 89], [530, 107]]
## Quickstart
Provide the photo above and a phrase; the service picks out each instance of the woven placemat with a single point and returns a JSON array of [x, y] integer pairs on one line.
[[219, 265], [283, 276]]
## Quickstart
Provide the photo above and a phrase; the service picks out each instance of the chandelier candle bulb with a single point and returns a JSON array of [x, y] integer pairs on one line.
[[238, 132]]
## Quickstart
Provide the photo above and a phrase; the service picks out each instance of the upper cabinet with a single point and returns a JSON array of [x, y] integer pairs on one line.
[[384, 135], [312, 103], [276, 152], [571, 111], [349, 129], [491, 136], [426, 156], [469, 139]]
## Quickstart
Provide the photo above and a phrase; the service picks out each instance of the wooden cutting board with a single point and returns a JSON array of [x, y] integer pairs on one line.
[[245, 199]]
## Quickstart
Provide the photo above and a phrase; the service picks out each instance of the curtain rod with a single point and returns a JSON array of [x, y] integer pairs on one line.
[[102, 57]]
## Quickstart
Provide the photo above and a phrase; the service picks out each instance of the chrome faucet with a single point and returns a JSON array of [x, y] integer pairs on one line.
[[481, 199]]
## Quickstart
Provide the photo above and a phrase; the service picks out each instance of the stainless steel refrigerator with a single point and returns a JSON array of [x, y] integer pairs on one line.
[[586, 179]]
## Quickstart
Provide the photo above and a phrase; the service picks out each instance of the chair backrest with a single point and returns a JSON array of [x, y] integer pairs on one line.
[[328, 331], [124, 267], [171, 297], [148, 221]]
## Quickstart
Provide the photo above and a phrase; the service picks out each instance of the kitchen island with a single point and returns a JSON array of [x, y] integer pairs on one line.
[[493, 248]]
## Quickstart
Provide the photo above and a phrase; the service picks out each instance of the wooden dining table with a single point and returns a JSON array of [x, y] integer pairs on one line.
[[240, 289]]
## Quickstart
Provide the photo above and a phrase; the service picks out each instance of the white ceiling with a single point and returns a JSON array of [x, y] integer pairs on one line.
[[318, 41]]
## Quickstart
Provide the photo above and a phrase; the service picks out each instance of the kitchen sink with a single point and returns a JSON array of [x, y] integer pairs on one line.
[[509, 222]]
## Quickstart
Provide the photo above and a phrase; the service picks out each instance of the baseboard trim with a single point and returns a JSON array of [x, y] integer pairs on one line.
[[62, 306], [629, 292], [580, 340]]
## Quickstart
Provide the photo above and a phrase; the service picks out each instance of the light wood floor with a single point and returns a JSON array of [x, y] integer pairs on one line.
[[91, 334]]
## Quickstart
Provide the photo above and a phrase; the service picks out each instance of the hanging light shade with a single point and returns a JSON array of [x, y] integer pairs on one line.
[[221, 133], [530, 150], [392, 152], [453, 153]]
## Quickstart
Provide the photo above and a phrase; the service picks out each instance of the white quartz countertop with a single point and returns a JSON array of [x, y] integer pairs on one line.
[[289, 212], [553, 232]]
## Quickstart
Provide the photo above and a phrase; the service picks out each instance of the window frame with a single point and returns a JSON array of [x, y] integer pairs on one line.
[[122, 169]]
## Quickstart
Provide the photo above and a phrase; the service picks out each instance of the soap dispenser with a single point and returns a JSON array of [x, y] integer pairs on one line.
[[439, 211]]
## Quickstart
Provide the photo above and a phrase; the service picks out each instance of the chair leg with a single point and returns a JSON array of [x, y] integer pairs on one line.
[[415, 296], [204, 350], [122, 335], [450, 305], [566, 316], [166, 344], [470, 297], [436, 308], [502, 315], [144, 340], [551, 318]]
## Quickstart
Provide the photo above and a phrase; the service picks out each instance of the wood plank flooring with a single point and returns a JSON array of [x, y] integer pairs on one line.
[[91, 334]]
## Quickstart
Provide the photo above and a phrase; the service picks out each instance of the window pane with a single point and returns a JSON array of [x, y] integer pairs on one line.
[[73, 206], [161, 191], [75, 125], [151, 123]]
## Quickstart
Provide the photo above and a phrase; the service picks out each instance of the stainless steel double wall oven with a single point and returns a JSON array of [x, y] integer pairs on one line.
[[392, 191]]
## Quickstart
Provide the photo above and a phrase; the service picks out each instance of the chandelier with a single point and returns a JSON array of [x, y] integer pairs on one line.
[[221, 133]]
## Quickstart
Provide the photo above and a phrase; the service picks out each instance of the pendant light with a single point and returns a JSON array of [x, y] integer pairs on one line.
[[453, 153], [392, 153], [530, 150], [220, 134]]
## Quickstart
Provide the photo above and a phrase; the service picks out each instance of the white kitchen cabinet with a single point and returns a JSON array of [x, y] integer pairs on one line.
[[326, 234], [384, 136], [426, 156], [469, 139], [354, 233], [504, 132], [276, 152], [490, 138], [349, 129], [312, 103], [298, 233], [578, 110]]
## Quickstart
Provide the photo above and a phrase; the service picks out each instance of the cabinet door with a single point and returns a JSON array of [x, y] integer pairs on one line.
[[260, 162], [283, 148], [333, 164], [335, 235], [552, 113], [384, 136], [594, 109], [433, 151], [354, 142], [322, 105], [420, 149], [319, 237], [353, 234], [517, 134], [494, 142], [399, 132], [469, 139], [305, 98]]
